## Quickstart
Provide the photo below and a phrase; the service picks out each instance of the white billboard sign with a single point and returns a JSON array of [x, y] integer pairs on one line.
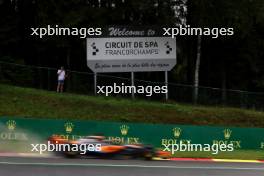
[[131, 54]]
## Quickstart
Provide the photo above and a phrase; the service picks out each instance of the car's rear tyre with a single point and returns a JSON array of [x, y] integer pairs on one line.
[[70, 154]]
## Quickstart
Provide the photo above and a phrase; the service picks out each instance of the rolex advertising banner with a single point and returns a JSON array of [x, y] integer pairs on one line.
[[131, 50], [23, 131]]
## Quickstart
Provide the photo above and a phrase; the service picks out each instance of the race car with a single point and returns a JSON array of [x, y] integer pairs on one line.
[[107, 149]]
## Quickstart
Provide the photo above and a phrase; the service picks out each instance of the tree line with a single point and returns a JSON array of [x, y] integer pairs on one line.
[[228, 62]]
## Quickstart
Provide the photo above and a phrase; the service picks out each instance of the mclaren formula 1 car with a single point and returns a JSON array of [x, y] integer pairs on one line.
[[98, 147]]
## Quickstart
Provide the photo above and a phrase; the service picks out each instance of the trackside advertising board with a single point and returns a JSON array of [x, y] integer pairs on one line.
[[131, 50], [24, 131]]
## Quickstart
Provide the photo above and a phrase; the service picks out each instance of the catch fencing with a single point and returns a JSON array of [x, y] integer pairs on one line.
[[83, 83]]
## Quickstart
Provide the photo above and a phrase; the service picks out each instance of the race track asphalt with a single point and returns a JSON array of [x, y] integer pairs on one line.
[[23, 166]]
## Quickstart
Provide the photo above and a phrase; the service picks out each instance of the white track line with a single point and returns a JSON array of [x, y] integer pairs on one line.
[[135, 166]]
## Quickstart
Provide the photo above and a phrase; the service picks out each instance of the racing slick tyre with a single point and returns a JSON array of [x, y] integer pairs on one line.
[[71, 154]]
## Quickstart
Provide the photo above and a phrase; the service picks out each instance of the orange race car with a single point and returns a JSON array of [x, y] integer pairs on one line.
[[98, 147]]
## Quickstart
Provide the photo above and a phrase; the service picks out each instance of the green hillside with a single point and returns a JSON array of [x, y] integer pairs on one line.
[[26, 102]]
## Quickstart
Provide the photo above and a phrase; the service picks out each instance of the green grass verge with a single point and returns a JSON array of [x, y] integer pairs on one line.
[[237, 154], [26, 102]]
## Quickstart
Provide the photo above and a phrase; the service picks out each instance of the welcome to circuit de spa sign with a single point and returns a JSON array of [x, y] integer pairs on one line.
[[126, 49]]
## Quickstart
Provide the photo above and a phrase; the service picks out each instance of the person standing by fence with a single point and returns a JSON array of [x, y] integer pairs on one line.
[[61, 78]]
